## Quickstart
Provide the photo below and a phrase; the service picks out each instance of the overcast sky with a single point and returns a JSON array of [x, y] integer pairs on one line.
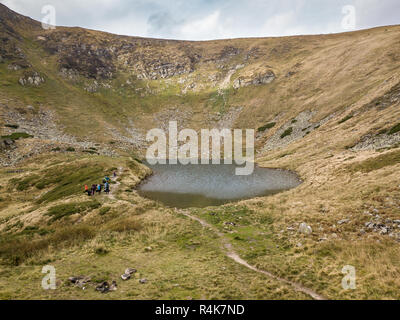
[[213, 19]]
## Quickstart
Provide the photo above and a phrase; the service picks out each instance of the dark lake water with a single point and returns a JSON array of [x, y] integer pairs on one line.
[[185, 186]]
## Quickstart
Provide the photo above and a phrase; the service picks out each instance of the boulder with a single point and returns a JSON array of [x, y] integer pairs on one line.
[[305, 229], [130, 271], [259, 79], [32, 79], [103, 287], [125, 276]]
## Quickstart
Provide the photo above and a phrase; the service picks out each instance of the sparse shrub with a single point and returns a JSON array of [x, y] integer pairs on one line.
[[24, 184], [90, 151], [101, 251], [56, 149], [346, 118], [104, 210], [70, 149], [125, 225], [287, 132], [382, 161], [395, 129], [12, 126], [68, 180], [67, 209], [267, 126], [72, 235], [16, 251], [17, 136]]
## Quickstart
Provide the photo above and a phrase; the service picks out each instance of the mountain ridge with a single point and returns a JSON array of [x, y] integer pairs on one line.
[[76, 104]]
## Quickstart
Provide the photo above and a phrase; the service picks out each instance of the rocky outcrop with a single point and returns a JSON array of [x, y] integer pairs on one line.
[[6, 144], [43, 125], [260, 79], [293, 130], [376, 142], [88, 61], [31, 78], [101, 59]]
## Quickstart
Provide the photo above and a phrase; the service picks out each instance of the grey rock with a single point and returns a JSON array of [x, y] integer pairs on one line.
[[384, 231], [104, 287], [130, 271], [125, 276], [113, 286], [305, 229]]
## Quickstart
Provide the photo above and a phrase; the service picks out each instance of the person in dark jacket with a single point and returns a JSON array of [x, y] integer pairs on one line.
[[107, 188], [93, 189]]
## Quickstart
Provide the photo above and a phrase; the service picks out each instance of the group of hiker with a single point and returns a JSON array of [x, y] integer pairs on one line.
[[98, 188]]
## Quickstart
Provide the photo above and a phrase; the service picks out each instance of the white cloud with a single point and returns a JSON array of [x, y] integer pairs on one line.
[[212, 19], [203, 28]]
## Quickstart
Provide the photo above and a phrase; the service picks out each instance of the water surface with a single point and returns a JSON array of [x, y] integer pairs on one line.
[[201, 186]]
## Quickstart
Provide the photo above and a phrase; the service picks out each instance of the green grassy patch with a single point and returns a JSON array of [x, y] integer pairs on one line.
[[395, 129], [287, 132], [63, 210], [104, 210], [346, 118], [382, 161], [267, 126], [14, 251], [64, 180], [17, 135], [227, 214]]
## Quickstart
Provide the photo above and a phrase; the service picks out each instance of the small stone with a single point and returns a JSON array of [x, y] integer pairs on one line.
[[130, 271], [230, 224], [142, 281], [125, 276], [113, 286], [299, 245], [104, 287], [148, 249], [74, 279], [305, 229], [343, 221]]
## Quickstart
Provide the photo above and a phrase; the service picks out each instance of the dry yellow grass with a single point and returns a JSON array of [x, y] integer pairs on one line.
[[333, 75]]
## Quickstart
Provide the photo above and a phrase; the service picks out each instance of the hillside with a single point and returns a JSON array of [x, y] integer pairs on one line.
[[77, 101]]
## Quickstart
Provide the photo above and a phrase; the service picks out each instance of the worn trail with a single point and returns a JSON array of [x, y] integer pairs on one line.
[[230, 252]]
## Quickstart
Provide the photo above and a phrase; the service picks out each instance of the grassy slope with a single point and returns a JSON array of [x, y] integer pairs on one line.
[[185, 260]]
